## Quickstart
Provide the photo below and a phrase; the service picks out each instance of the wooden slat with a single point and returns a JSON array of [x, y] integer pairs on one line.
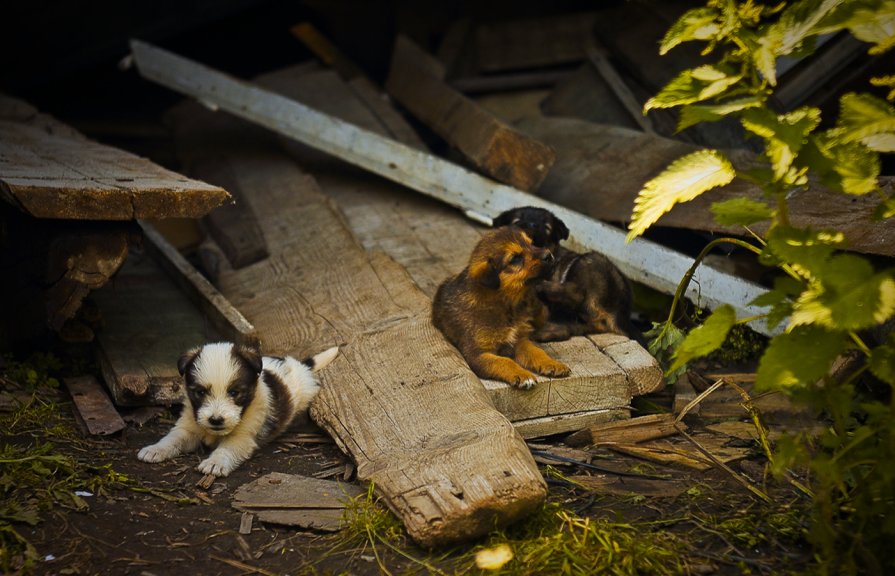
[[500, 151], [147, 324], [60, 174], [451, 475], [640, 260], [93, 406]]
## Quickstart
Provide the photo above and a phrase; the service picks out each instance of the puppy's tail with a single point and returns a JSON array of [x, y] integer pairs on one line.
[[320, 361]]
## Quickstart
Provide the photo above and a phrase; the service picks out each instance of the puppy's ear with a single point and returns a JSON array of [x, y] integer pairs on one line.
[[186, 359], [560, 231], [251, 355], [486, 273], [504, 219]]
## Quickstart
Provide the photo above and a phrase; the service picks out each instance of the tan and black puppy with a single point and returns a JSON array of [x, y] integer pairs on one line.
[[586, 293], [489, 310], [236, 399]]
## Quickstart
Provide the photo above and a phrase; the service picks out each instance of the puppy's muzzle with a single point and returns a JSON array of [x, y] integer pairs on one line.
[[216, 423]]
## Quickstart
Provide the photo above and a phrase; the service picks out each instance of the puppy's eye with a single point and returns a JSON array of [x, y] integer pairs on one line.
[[233, 393], [200, 392], [517, 260]]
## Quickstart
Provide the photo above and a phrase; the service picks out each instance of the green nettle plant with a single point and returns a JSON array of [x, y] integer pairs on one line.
[[825, 299]]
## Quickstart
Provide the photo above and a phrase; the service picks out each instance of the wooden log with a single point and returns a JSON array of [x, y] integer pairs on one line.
[[500, 151], [450, 476], [61, 174], [641, 260], [630, 431]]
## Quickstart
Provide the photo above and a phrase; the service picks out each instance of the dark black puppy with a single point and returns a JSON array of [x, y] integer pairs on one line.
[[586, 294]]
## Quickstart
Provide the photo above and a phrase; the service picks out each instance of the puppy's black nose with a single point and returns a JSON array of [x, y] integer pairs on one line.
[[216, 420]]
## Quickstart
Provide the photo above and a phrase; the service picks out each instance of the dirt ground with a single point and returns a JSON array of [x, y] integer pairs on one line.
[[159, 521]]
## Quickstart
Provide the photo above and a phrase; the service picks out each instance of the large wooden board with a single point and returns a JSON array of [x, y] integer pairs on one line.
[[51, 171], [432, 243], [390, 399], [497, 149], [641, 260]]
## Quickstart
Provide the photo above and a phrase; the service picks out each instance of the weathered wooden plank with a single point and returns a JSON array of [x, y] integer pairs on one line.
[[93, 406], [373, 98], [563, 423], [643, 372], [500, 151], [600, 169], [147, 324], [294, 500], [535, 42], [450, 476], [81, 259], [60, 175], [641, 260], [433, 243], [629, 431], [226, 320]]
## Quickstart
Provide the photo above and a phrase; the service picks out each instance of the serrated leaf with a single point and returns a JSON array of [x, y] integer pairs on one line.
[[806, 249], [693, 85], [696, 113], [800, 20], [685, 179], [848, 167], [847, 295], [866, 119], [784, 135], [886, 209], [871, 21], [882, 361], [741, 212], [801, 357], [706, 338], [694, 24]]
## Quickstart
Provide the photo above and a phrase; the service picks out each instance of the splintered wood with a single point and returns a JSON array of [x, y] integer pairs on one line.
[[58, 173], [453, 474]]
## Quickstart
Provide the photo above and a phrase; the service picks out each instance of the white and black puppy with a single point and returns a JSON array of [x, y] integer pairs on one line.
[[236, 400]]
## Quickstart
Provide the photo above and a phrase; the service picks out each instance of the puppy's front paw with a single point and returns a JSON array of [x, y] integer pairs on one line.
[[553, 368], [220, 463], [156, 453], [526, 384]]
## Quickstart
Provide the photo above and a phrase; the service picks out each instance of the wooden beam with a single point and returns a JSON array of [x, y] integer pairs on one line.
[[497, 149], [61, 174], [641, 260]]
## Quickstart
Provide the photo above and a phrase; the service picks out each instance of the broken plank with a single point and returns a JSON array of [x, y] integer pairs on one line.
[[61, 174], [640, 260], [453, 475], [563, 423], [226, 320], [93, 406], [500, 151], [147, 324], [626, 431]]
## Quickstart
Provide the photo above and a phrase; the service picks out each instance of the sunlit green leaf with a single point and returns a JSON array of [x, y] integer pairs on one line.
[[780, 300], [695, 24], [847, 295], [741, 212], [882, 361], [872, 21], [886, 209], [696, 113], [706, 338], [867, 119], [808, 250], [693, 85], [848, 167], [784, 134], [800, 357], [685, 179]]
